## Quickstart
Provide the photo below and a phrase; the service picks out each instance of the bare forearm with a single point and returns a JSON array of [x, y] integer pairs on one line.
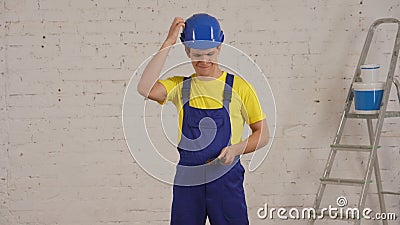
[[152, 71], [258, 139], [255, 141]]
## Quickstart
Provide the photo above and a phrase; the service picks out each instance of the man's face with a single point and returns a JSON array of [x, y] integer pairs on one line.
[[204, 61]]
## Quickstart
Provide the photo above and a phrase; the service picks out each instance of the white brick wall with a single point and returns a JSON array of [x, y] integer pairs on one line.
[[64, 68]]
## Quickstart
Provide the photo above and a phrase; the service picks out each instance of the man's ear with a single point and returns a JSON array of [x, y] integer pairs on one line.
[[219, 48], [187, 50]]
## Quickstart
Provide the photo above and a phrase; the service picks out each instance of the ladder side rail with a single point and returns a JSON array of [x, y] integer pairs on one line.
[[378, 177], [364, 52]]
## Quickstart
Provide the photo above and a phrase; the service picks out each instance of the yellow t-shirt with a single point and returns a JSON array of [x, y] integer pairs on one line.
[[208, 94]]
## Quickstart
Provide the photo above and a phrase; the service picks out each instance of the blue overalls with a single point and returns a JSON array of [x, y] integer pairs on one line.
[[204, 189]]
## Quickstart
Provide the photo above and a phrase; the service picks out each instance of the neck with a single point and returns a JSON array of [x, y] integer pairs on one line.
[[214, 74]]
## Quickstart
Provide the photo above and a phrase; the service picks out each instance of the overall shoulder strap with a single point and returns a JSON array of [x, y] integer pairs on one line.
[[228, 90], [228, 95], [228, 87], [186, 89]]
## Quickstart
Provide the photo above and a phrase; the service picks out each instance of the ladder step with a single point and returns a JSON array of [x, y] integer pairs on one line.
[[390, 193], [341, 181], [388, 114], [325, 213], [357, 148]]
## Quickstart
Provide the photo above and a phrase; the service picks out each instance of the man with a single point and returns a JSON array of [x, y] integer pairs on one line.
[[212, 107]]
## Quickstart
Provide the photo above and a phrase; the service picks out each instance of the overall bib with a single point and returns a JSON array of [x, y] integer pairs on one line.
[[204, 189]]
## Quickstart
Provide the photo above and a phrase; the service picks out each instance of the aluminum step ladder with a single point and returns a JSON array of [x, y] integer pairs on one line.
[[374, 134]]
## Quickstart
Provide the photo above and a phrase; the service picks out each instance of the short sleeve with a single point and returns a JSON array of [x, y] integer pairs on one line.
[[171, 85], [252, 111]]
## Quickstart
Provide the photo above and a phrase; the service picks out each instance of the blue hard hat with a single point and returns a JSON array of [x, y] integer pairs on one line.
[[202, 31]]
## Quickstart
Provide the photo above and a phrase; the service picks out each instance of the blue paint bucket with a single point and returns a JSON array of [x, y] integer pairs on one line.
[[368, 97]]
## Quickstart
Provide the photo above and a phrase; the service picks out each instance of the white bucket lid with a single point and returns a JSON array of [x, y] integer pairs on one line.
[[370, 66], [360, 86]]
